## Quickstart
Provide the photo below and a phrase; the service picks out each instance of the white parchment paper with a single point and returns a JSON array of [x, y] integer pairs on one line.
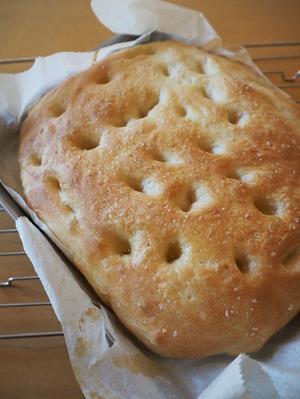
[[107, 361]]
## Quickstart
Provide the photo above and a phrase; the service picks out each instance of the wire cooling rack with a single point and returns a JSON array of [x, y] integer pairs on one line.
[[279, 61]]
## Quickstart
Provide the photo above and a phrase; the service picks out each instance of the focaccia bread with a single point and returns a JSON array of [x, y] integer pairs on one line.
[[172, 176]]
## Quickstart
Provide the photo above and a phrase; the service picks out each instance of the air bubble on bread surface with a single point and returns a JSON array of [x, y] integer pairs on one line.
[[180, 110], [205, 93], [236, 117], [102, 77], [56, 109], [134, 183], [193, 198], [165, 70], [146, 185], [137, 111], [121, 121], [184, 198], [199, 67], [189, 200], [53, 183], [242, 175], [233, 174], [204, 145], [239, 174], [174, 251], [291, 260], [121, 245], [55, 186], [86, 142], [175, 69], [268, 206], [158, 155], [34, 160], [146, 109], [65, 200], [244, 263], [68, 208], [167, 157]]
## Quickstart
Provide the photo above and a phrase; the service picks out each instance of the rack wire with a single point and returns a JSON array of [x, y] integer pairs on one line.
[[280, 61]]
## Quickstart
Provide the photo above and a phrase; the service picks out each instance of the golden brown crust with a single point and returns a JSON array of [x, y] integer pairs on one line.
[[173, 177]]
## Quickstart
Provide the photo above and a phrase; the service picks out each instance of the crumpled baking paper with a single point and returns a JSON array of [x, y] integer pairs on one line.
[[137, 17], [107, 361]]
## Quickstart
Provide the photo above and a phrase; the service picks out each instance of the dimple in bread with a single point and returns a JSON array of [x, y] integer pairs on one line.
[[172, 176]]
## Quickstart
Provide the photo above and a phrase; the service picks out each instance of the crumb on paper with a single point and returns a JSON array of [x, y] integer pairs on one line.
[[137, 364], [94, 395], [81, 347]]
